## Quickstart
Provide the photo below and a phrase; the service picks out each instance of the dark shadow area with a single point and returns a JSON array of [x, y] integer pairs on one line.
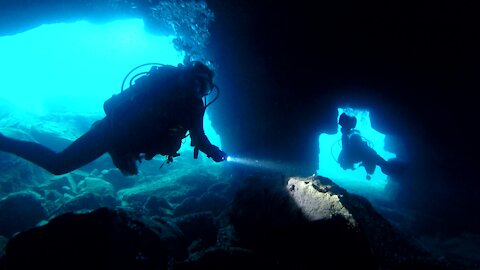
[[288, 67]]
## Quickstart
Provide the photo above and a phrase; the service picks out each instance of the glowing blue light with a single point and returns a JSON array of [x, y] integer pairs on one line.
[[76, 66], [229, 158], [354, 180], [73, 68]]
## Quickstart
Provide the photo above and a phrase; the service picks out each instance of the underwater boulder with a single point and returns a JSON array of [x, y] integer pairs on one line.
[[96, 186], [60, 183], [187, 206], [198, 182], [199, 226], [209, 201], [174, 239], [117, 179], [219, 188], [175, 187], [137, 197], [20, 211], [159, 186], [311, 222], [3, 244], [213, 202], [53, 199], [85, 202], [93, 193], [226, 258], [158, 206], [102, 239]]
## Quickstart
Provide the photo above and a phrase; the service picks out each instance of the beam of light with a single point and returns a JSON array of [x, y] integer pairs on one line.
[[72, 68], [267, 165], [354, 180]]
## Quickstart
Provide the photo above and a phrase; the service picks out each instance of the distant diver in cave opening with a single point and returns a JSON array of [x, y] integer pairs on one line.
[[159, 109], [356, 149]]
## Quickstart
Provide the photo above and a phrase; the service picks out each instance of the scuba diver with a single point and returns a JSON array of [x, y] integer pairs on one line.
[[356, 149], [159, 109]]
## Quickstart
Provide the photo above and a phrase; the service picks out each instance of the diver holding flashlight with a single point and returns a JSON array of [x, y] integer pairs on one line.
[[152, 117]]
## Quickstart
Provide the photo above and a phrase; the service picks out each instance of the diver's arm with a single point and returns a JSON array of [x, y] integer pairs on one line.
[[200, 140]]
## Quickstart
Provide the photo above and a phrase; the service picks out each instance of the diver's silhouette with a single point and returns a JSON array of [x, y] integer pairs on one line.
[[355, 149], [151, 117]]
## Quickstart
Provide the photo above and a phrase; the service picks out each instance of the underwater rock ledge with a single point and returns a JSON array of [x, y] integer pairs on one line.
[[272, 222], [305, 223]]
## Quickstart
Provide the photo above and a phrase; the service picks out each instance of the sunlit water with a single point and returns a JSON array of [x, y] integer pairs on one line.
[[354, 180], [75, 67]]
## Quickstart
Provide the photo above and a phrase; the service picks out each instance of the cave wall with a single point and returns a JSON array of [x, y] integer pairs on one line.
[[286, 68], [19, 16]]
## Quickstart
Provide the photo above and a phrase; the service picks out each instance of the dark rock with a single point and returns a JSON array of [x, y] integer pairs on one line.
[[20, 211], [87, 202], [146, 187], [187, 206], [227, 237], [52, 195], [207, 202], [102, 239], [62, 184], [310, 222], [117, 179], [3, 244], [199, 226], [170, 234], [231, 258], [177, 198], [134, 199], [158, 206], [53, 200], [198, 183], [213, 202], [218, 187], [156, 202], [97, 186]]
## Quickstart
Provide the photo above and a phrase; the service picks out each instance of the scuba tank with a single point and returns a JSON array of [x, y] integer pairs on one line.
[[143, 83]]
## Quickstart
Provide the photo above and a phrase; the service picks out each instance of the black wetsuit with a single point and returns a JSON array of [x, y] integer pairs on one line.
[[355, 150], [151, 120]]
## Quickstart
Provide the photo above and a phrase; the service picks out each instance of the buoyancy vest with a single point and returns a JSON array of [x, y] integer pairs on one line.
[[142, 88], [144, 114]]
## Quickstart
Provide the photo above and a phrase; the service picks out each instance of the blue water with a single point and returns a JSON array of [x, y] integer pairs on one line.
[[354, 180]]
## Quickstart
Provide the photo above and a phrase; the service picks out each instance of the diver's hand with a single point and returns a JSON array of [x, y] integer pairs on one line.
[[218, 155]]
